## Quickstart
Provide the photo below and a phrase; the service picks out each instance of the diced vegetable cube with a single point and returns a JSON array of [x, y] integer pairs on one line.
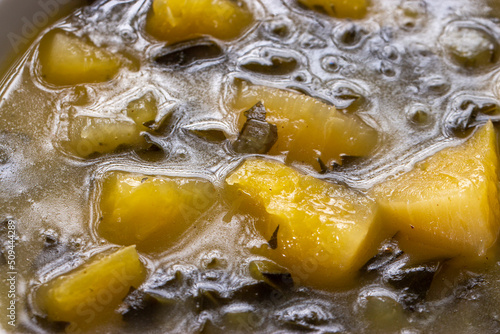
[[143, 110], [152, 212], [89, 135], [308, 129], [91, 292], [321, 232], [68, 60], [179, 20], [354, 9], [448, 204]]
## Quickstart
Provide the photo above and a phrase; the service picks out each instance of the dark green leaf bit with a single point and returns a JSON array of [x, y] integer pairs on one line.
[[257, 135]]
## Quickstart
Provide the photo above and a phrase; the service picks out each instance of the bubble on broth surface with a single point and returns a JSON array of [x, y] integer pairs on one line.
[[275, 66], [310, 41], [419, 114], [470, 45], [309, 316], [271, 61], [351, 35], [411, 14], [468, 110], [385, 68], [336, 63], [389, 52], [194, 52], [383, 312], [279, 28], [347, 95], [434, 86]]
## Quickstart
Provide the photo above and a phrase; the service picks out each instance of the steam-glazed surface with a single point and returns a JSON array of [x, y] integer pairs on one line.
[[416, 76]]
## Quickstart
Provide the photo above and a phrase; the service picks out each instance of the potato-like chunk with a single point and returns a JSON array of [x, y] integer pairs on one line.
[[321, 232], [68, 60], [179, 20], [354, 9], [308, 129], [143, 110], [448, 204], [91, 292], [90, 135], [151, 212]]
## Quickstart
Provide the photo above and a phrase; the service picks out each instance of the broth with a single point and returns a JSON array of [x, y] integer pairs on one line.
[[395, 69]]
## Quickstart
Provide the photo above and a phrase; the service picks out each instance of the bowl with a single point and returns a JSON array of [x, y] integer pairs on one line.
[[22, 21]]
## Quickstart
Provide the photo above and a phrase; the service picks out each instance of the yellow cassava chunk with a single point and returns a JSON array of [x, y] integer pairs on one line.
[[448, 204], [308, 129], [354, 9], [321, 232], [69, 60], [91, 292], [151, 212], [179, 20], [89, 135], [143, 110]]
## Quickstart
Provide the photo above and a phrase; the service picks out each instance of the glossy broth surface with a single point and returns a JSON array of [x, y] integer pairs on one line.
[[395, 69]]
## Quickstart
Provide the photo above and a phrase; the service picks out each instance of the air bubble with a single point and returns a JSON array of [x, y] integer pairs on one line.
[[436, 86], [347, 95], [128, 36], [411, 14], [306, 315], [384, 51], [467, 111], [331, 63], [273, 66], [350, 35], [420, 55], [280, 28], [300, 78], [308, 41], [387, 69], [50, 237], [419, 115], [192, 53], [181, 154], [469, 45], [389, 52], [384, 313]]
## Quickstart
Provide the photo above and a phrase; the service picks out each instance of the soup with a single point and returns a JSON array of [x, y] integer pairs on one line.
[[254, 166]]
